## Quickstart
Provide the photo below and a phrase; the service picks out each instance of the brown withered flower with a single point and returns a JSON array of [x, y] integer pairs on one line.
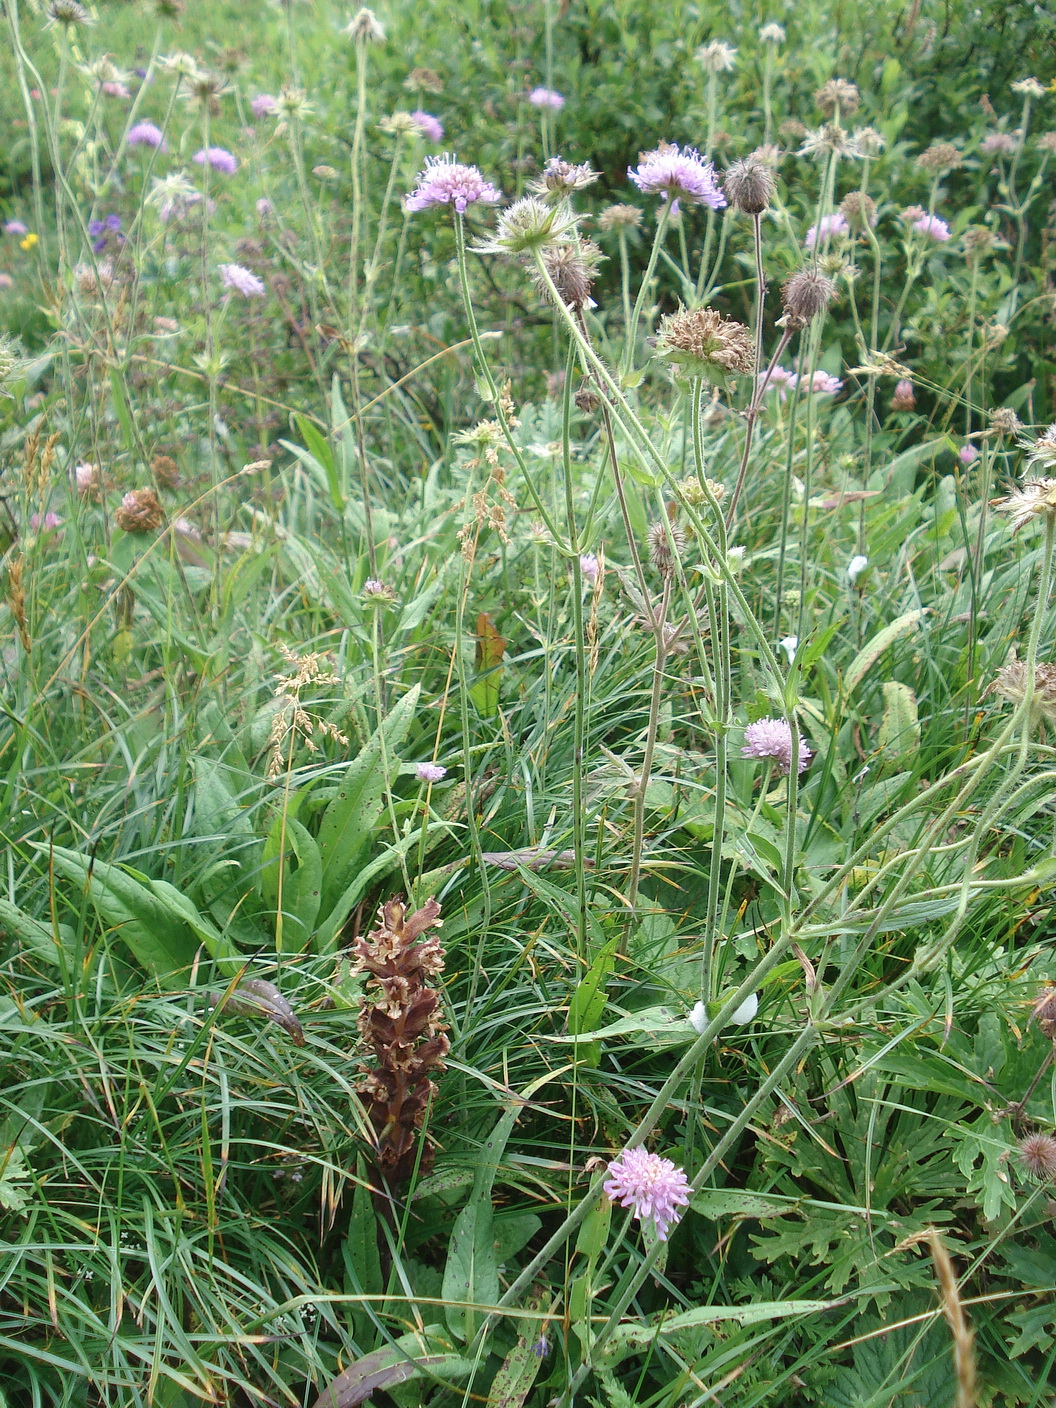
[[139, 512], [401, 1029], [700, 342], [165, 471]]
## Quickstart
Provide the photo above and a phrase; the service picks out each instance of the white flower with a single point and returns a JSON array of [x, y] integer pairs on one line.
[[856, 567], [772, 34], [790, 645], [716, 57], [1029, 88], [698, 1018]]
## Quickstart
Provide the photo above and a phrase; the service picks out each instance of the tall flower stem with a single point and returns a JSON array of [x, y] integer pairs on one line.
[[751, 415], [642, 785], [643, 290]]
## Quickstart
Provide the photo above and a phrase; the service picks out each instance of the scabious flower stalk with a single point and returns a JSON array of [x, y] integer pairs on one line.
[[402, 1033]]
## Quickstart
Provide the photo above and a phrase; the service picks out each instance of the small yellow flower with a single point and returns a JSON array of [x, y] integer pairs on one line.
[[30, 240]]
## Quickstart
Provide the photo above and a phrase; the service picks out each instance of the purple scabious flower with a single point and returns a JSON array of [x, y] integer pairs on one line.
[[429, 126], [772, 738], [146, 134], [546, 98], [16, 227], [445, 181], [827, 226], [997, 142], [932, 227], [263, 105], [967, 454], [241, 280], [821, 383], [779, 380], [430, 772], [102, 230], [588, 566], [654, 1187], [677, 175], [219, 158]]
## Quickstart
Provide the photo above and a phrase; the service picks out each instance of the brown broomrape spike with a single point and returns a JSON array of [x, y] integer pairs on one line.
[[400, 1027]]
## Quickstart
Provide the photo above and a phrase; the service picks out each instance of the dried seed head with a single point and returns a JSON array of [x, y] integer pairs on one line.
[[140, 512], [586, 398], [804, 296], [700, 342], [859, 210], [837, 96], [559, 178], [749, 185], [662, 537], [1045, 1012], [1004, 421], [165, 471], [1037, 499], [939, 157], [1011, 683], [693, 493], [573, 269], [619, 217], [978, 240], [425, 80], [1037, 1154], [365, 27], [830, 139], [68, 13]]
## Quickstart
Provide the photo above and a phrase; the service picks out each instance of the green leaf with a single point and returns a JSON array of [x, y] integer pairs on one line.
[[871, 652], [352, 815], [519, 1370], [217, 945], [409, 1358], [320, 450], [588, 1000], [899, 735], [14, 1179], [717, 1203], [628, 1339], [38, 938], [327, 934], [362, 1260], [160, 942]]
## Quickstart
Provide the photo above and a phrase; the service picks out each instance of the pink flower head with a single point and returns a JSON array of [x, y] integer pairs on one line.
[[6, 281], [588, 566], [654, 1187], [430, 772], [932, 227], [429, 126], [116, 90], [445, 181], [772, 738], [826, 227], [263, 105], [146, 134], [546, 98], [264, 208], [241, 280], [49, 522], [219, 158], [780, 380], [16, 227], [677, 175], [997, 142], [967, 454], [86, 478], [821, 383]]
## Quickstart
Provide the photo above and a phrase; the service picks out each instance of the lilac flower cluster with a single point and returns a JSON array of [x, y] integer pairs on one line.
[[146, 134], [240, 280], [445, 181], [655, 1188], [219, 158], [827, 227], [102, 231], [772, 738], [677, 175], [429, 126], [546, 98], [820, 384]]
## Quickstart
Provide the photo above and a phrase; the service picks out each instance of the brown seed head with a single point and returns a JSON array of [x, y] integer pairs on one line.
[[619, 217], [1045, 1012], [660, 546], [573, 268], [1037, 1154], [140, 512], [702, 343], [166, 472], [940, 156], [1004, 421], [978, 240], [804, 296], [749, 185], [837, 95], [859, 210]]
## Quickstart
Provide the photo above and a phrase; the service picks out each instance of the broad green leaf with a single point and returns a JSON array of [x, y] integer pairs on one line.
[[38, 937], [217, 945], [629, 1339], [160, 942], [320, 449], [301, 886], [351, 817], [326, 935], [871, 652], [411, 1357], [899, 735], [362, 1260], [716, 1203], [519, 1370], [490, 649], [588, 1000]]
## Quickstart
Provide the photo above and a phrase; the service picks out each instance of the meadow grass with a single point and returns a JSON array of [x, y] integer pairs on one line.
[[648, 560]]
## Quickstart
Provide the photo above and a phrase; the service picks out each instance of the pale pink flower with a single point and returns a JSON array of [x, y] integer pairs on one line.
[[821, 383], [263, 105], [826, 228], [429, 126], [772, 738], [967, 454], [444, 181], [655, 1188], [241, 280], [588, 566], [16, 227], [546, 98], [779, 380], [997, 142], [430, 772], [933, 228]]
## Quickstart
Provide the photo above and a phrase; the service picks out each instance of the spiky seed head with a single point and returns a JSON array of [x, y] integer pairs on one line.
[[804, 296], [1037, 1154], [573, 268], [837, 96], [586, 398], [424, 80], [619, 217], [859, 210], [661, 544], [365, 28], [68, 13], [529, 224], [1011, 683], [166, 472], [749, 185], [1004, 421]]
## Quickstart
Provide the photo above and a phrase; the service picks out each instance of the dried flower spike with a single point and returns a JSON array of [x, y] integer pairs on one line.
[[400, 1027], [837, 96]]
